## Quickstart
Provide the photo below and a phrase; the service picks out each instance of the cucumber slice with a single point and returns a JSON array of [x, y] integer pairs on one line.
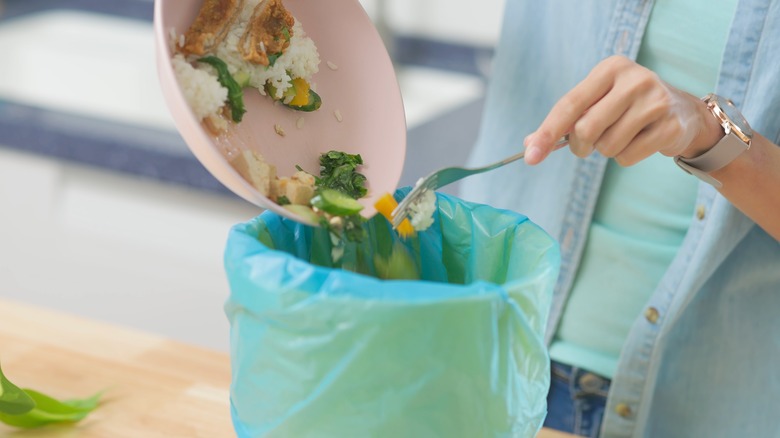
[[315, 102], [336, 203], [305, 213]]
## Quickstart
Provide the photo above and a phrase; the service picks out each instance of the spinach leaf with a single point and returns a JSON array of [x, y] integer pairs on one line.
[[338, 172], [272, 57], [13, 400], [235, 93], [48, 410], [25, 408]]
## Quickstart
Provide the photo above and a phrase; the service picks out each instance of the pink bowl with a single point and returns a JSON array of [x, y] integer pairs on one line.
[[363, 89]]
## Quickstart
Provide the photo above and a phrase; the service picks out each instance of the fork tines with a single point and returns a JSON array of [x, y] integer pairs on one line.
[[402, 210]]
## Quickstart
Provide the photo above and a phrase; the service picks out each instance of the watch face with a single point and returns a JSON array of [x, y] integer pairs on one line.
[[735, 116]]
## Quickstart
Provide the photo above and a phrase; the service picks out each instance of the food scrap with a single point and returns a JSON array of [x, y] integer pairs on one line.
[[385, 206], [317, 199], [422, 209], [237, 44]]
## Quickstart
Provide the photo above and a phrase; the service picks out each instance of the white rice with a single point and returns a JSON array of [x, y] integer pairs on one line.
[[202, 90], [422, 209]]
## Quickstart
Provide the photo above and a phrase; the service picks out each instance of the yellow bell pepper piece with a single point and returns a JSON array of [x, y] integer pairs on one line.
[[301, 92], [385, 206]]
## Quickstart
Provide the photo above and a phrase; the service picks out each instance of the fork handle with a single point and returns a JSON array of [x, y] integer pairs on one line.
[[562, 141], [503, 162]]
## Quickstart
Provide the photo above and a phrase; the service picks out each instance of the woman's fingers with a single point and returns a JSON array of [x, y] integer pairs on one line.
[[570, 108], [588, 132], [618, 104], [619, 135], [643, 145]]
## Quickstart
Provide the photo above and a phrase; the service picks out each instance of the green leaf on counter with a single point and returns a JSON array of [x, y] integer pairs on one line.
[[48, 410], [13, 400], [26, 408]]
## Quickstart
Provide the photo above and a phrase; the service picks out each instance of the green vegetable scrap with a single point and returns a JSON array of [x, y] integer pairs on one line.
[[272, 57], [235, 93], [314, 103], [13, 400], [27, 409], [349, 241], [338, 172], [353, 228], [398, 266], [336, 203], [338, 187]]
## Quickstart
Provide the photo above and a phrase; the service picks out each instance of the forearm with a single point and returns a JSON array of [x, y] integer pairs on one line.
[[752, 183]]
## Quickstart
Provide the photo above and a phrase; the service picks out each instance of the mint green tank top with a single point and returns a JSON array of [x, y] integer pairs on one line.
[[644, 210]]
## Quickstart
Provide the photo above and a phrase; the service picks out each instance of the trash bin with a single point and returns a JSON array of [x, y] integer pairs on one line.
[[318, 351]]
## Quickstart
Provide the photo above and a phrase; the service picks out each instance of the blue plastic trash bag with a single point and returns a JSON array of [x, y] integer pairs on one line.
[[323, 352]]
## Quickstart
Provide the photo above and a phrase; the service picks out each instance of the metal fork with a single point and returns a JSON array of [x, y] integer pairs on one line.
[[449, 175]]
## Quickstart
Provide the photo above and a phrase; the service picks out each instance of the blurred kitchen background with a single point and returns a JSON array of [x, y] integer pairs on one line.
[[105, 213]]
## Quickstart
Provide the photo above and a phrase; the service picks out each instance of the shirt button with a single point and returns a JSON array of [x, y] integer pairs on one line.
[[623, 410], [591, 383], [652, 315], [701, 212]]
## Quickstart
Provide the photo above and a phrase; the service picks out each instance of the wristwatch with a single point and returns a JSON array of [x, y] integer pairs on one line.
[[736, 141]]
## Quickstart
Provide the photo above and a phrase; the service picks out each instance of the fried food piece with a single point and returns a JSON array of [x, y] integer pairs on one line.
[[268, 32], [253, 168], [298, 189], [211, 26]]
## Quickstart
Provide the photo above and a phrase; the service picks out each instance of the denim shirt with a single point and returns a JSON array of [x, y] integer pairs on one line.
[[703, 360]]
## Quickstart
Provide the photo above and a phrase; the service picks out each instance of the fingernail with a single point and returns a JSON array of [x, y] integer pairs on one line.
[[527, 139], [533, 154]]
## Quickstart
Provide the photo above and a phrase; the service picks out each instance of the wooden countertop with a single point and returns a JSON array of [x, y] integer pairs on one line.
[[153, 385]]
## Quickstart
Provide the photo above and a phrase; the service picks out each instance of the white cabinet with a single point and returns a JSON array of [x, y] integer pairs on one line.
[[116, 248]]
